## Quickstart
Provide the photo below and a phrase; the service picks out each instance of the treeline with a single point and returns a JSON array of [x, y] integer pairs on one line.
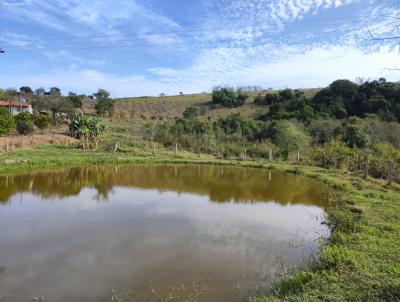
[[54, 102], [341, 100], [336, 126]]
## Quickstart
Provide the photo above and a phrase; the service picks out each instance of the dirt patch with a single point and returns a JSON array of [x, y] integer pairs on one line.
[[22, 142]]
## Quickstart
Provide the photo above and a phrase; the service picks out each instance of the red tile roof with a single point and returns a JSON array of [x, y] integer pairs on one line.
[[14, 104]]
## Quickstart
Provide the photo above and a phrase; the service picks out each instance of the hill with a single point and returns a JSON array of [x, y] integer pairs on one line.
[[143, 109]]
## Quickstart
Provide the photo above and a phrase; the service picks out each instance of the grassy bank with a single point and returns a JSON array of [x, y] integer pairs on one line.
[[360, 262]]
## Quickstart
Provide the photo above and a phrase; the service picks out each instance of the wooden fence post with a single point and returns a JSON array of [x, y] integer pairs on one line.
[[348, 163], [21, 142], [245, 152], [271, 157], [116, 147], [390, 174], [5, 142], [324, 160], [298, 156], [366, 165], [176, 149]]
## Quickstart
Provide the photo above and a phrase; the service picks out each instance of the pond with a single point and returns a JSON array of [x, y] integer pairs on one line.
[[145, 233]]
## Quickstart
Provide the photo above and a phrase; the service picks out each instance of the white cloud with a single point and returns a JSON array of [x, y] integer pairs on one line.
[[287, 66]]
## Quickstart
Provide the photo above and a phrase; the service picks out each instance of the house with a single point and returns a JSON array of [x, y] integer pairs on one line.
[[16, 107]]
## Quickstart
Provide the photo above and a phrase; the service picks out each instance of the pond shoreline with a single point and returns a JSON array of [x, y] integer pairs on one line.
[[359, 262]]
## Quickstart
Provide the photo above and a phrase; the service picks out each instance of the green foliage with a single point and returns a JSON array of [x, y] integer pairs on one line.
[[88, 129], [191, 113], [344, 98], [288, 104], [26, 89], [102, 94], [228, 97], [353, 134], [42, 121], [288, 137], [24, 123], [76, 100], [237, 125], [104, 105], [7, 122]]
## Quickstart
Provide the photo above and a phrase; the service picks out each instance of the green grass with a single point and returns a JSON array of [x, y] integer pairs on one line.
[[360, 261]]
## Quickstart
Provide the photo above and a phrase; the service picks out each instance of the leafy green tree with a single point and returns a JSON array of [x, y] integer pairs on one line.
[[7, 122], [228, 97], [40, 91], [54, 91], [191, 113], [42, 122], [289, 138], [24, 123], [75, 99], [26, 89], [104, 106], [102, 94]]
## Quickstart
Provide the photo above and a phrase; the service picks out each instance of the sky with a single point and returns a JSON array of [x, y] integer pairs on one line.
[[148, 47]]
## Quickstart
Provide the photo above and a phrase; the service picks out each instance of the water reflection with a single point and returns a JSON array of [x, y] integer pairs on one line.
[[226, 229], [221, 184]]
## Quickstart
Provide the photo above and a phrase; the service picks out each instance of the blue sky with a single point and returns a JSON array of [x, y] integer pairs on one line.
[[146, 47]]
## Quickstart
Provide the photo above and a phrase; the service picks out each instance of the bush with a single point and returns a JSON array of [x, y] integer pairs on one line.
[[7, 122], [42, 122], [104, 106], [191, 113], [229, 98], [288, 137], [24, 123]]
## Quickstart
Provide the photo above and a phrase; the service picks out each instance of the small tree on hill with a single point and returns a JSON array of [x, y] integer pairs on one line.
[[7, 122], [24, 123], [104, 105], [42, 122], [228, 97]]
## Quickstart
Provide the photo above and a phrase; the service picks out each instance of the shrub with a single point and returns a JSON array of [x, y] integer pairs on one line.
[[42, 122], [88, 129], [104, 106], [7, 122], [191, 113], [24, 123], [228, 97]]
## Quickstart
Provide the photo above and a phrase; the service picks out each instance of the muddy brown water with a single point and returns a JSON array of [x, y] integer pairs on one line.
[[147, 233]]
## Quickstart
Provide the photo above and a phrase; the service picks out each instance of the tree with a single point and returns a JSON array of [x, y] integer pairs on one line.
[[54, 91], [102, 94], [24, 123], [228, 97], [42, 122], [7, 122], [191, 113], [288, 137], [104, 104], [26, 89], [11, 92], [40, 91], [75, 99], [54, 104]]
